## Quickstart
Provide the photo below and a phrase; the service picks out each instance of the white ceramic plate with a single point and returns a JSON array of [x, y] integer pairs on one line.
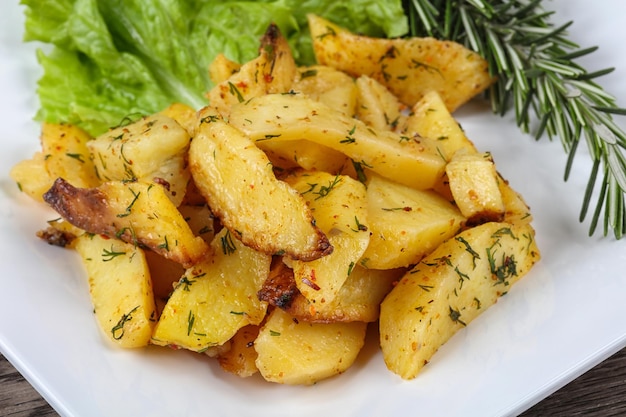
[[564, 317]]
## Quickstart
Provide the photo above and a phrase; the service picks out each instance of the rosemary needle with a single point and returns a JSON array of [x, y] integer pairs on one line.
[[539, 78]]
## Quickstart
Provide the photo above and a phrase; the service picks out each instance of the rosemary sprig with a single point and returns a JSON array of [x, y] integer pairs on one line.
[[539, 78]]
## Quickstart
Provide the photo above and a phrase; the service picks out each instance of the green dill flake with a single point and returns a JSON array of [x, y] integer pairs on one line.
[[360, 227], [504, 271], [77, 156], [165, 245], [209, 119], [455, 316], [232, 88], [462, 277], [228, 245], [308, 73], [350, 268], [117, 331], [191, 318], [186, 283], [326, 189], [274, 333], [109, 255], [349, 138], [469, 249], [132, 203]]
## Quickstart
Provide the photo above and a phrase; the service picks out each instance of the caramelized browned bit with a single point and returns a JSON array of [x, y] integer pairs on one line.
[[86, 208], [279, 289], [56, 237], [138, 212]]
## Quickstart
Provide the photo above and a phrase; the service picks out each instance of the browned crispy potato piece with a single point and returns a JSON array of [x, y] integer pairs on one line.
[[273, 71], [449, 288], [407, 66], [135, 212], [237, 180]]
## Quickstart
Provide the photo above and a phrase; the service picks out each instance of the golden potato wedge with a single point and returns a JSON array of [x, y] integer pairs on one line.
[[516, 209], [63, 154], [32, 177], [222, 68], [332, 87], [475, 187], [120, 289], [292, 352], [338, 204], [67, 155], [431, 119], [237, 180], [449, 288], [183, 114], [136, 212], [153, 149], [406, 224], [273, 71], [215, 298], [377, 106], [407, 66], [279, 117]]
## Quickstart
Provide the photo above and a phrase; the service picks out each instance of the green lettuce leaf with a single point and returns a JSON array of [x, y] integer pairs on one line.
[[110, 60]]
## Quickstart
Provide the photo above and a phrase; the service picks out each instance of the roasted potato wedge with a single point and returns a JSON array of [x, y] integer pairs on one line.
[[32, 177], [406, 224], [136, 212], [431, 119], [273, 71], [120, 289], [449, 288], [153, 149], [339, 206], [293, 352], [215, 298], [279, 117], [409, 67], [475, 187], [237, 180]]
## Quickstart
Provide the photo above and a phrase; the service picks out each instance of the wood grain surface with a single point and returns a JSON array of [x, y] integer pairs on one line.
[[600, 392]]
